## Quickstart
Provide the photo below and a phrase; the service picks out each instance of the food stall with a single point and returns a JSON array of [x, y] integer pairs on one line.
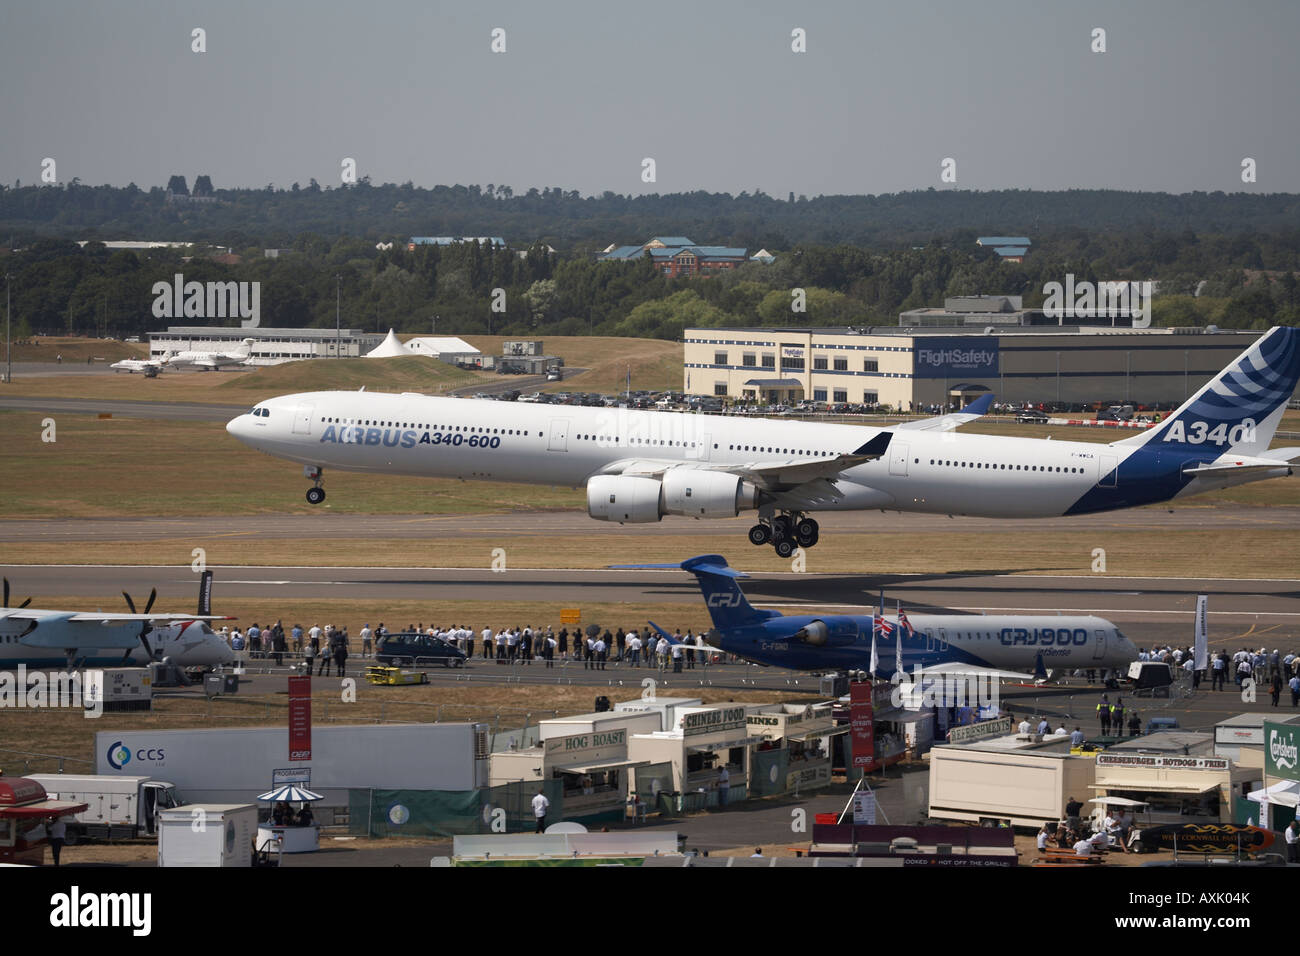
[[1176, 773], [593, 769], [804, 732], [705, 741], [24, 810]]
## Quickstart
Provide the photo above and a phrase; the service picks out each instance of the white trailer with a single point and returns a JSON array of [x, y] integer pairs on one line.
[[235, 764], [207, 834], [118, 808], [1024, 782]]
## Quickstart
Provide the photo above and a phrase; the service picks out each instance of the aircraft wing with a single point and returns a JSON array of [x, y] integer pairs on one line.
[[958, 669], [946, 423], [98, 618], [771, 475], [81, 630]]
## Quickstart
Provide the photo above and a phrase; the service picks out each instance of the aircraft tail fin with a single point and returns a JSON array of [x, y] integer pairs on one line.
[[1238, 411], [728, 606], [205, 594]]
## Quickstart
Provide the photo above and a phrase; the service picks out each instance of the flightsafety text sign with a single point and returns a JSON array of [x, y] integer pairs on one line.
[[1281, 743], [942, 357]]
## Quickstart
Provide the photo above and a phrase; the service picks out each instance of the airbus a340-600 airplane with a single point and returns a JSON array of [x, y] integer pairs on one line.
[[640, 466], [995, 646]]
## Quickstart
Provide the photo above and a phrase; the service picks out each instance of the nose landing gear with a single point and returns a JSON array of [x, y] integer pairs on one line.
[[785, 532], [315, 494]]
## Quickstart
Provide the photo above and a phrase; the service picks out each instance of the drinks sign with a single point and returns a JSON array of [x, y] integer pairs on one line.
[[1281, 746]]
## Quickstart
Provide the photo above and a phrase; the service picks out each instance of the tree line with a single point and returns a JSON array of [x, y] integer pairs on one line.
[[58, 287]]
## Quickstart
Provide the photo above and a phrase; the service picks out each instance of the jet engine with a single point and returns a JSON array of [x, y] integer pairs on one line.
[[697, 493], [623, 498]]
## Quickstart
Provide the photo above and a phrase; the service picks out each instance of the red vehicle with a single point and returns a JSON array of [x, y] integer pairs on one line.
[[24, 810]]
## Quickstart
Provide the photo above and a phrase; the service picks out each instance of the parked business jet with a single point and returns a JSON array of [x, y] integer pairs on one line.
[[211, 361], [1000, 646], [149, 367], [639, 466], [44, 638]]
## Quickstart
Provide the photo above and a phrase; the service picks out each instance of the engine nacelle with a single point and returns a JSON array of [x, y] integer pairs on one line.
[[623, 498], [815, 633], [697, 493], [837, 632]]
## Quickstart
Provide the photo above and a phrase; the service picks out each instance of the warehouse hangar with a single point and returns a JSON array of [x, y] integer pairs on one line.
[[914, 367], [270, 346]]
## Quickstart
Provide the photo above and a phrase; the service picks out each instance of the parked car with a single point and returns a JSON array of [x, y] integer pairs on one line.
[[417, 650], [1030, 416]]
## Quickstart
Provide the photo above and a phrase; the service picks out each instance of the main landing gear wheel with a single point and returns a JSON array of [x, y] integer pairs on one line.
[[785, 548], [760, 534], [316, 495], [806, 532]]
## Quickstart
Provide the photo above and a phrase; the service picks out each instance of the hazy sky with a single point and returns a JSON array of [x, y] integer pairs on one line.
[[711, 91]]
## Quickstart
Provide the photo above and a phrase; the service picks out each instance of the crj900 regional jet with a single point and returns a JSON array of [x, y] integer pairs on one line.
[[639, 466]]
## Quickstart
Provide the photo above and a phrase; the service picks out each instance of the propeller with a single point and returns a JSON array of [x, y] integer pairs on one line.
[[5, 603], [145, 626]]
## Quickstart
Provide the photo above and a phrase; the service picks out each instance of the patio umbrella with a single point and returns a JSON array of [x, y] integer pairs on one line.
[[290, 794]]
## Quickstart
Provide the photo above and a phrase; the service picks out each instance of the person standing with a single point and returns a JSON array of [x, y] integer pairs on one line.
[[598, 649], [58, 834], [724, 783], [341, 652], [1073, 810], [677, 652], [297, 638], [1276, 687], [540, 806], [310, 655], [1218, 671], [1292, 834], [1103, 715], [550, 649], [1294, 684], [326, 651], [366, 635]]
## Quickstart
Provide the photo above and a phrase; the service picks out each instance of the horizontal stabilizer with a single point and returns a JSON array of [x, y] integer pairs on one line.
[[946, 423]]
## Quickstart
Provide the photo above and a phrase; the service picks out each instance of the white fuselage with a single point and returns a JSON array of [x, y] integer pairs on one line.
[[925, 471], [187, 643]]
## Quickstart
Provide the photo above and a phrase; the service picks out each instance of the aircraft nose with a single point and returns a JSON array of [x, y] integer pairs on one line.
[[239, 427]]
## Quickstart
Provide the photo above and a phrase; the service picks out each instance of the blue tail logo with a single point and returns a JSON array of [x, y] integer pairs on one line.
[[1238, 411]]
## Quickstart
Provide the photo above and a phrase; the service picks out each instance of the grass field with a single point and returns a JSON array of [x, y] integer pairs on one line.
[[146, 467], [1153, 551], [655, 365], [44, 348]]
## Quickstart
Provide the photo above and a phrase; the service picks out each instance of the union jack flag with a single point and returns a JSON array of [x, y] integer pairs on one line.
[[904, 623], [882, 626]]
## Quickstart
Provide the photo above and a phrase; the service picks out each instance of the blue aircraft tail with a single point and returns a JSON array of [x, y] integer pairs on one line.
[[1239, 410], [727, 604]]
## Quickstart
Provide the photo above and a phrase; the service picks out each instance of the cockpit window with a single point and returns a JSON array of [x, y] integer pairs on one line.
[[261, 413]]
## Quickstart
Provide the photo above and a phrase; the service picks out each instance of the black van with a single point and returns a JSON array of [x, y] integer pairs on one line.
[[417, 650]]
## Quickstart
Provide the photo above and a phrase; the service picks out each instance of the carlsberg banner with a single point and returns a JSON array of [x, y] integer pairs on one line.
[[1281, 744]]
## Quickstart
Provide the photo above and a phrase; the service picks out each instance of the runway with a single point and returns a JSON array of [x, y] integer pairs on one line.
[[1148, 608], [1237, 519], [172, 411]]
